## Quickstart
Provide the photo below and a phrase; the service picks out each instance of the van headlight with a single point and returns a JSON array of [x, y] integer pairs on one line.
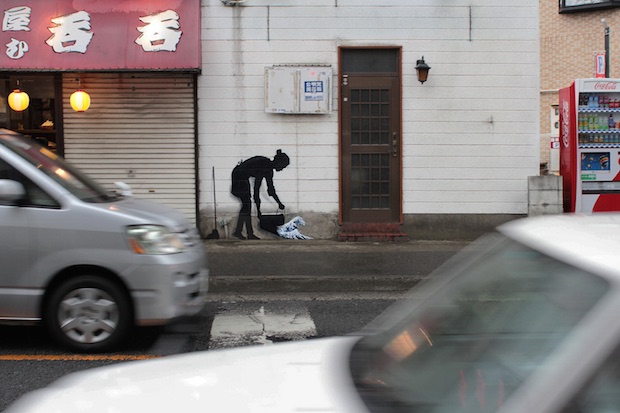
[[153, 240]]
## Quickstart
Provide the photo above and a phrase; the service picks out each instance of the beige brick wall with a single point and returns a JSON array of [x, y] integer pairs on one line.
[[568, 44]]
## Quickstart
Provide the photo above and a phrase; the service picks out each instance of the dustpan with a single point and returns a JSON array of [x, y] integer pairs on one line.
[[271, 222]]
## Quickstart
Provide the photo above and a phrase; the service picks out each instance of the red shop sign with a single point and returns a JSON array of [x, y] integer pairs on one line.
[[66, 35]]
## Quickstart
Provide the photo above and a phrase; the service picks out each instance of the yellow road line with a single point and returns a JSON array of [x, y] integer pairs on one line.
[[76, 357]]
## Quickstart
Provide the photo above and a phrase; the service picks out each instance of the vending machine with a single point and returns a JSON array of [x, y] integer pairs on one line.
[[590, 145]]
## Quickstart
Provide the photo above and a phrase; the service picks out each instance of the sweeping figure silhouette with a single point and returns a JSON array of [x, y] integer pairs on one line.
[[260, 168]]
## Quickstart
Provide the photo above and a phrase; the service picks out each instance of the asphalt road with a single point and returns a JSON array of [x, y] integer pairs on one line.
[[323, 266]]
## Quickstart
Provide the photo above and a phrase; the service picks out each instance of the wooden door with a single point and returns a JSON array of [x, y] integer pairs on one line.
[[370, 146]]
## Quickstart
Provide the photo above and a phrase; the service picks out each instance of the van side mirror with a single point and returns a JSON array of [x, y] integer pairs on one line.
[[11, 191], [123, 188]]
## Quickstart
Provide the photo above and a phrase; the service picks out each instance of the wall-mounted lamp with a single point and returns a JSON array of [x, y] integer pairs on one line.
[[18, 99], [80, 100], [232, 2], [422, 69]]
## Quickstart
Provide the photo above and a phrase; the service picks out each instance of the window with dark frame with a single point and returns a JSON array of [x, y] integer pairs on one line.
[[574, 6]]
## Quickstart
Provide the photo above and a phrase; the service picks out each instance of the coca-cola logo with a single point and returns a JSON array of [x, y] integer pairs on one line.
[[565, 124], [605, 86]]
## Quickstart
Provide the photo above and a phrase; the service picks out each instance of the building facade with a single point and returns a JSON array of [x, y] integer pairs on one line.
[[570, 40], [138, 61], [450, 155], [183, 91]]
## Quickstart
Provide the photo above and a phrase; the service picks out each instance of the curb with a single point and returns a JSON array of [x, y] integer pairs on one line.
[[312, 284]]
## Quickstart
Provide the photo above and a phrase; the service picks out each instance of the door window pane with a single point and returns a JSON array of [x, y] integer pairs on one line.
[[370, 117], [370, 60], [370, 187]]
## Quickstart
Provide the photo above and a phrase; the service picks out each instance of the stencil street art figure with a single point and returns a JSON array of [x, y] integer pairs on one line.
[[259, 168]]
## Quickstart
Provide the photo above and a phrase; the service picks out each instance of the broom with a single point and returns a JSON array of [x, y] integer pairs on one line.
[[214, 234]]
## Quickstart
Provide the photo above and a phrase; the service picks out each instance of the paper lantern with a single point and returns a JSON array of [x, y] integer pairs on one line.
[[80, 101], [18, 100]]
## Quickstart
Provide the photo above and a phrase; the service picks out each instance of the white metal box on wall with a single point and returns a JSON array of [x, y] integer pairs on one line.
[[298, 89]]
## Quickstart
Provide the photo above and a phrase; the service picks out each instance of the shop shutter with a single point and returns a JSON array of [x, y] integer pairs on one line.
[[139, 129]]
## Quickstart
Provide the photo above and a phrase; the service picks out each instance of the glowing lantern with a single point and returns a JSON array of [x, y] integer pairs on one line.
[[80, 101], [18, 100]]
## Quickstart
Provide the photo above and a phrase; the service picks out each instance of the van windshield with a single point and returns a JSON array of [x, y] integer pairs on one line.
[[54, 166]]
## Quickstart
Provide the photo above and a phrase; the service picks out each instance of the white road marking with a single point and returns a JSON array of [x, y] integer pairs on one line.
[[262, 326], [327, 296]]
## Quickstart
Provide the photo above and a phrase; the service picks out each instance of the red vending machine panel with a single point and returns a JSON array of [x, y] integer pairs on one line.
[[590, 145]]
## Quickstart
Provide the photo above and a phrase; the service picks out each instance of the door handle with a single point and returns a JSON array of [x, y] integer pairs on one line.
[[394, 144]]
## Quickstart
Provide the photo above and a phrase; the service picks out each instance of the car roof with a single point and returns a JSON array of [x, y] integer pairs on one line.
[[590, 242], [10, 136], [5, 132]]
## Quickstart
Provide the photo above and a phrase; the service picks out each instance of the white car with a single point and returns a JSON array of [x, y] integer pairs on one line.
[[524, 321]]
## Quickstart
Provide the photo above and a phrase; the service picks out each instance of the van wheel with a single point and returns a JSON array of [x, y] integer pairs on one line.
[[88, 314]]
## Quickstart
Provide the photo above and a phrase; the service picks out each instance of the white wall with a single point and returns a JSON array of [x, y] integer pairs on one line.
[[470, 133]]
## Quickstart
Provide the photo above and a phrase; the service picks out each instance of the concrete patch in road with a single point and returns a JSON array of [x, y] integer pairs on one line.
[[261, 326]]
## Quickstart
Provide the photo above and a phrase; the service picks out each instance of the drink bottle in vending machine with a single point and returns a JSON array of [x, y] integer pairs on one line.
[[590, 145]]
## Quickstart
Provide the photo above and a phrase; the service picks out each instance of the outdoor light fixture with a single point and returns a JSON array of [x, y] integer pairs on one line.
[[18, 99], [422, 69], [80, 100]]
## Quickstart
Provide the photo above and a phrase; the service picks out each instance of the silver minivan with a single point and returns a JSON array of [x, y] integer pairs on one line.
[[89, 263]]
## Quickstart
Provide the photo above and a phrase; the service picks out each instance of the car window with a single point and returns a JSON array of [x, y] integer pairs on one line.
[[55, 167], [469, 346], [35, 196]]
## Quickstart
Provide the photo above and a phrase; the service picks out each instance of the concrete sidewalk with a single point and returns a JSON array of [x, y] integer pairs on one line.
[[282, 265]]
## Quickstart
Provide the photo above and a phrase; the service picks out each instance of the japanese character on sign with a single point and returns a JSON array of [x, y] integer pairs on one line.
[[313, 90], [16, 49], [71, 33], [161, 32], [314, 87], [16, 19]]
